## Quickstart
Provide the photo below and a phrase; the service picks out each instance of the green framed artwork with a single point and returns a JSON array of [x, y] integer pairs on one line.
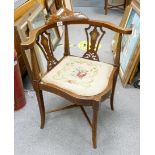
[[130, 44]]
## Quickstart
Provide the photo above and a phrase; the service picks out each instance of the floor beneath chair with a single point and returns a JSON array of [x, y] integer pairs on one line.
[[67, 132]]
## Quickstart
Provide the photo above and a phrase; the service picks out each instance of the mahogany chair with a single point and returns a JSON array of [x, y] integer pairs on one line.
[[83, 81]]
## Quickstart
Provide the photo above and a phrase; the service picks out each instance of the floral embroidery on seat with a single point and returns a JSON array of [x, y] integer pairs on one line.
[[81, 74], [78, 72]]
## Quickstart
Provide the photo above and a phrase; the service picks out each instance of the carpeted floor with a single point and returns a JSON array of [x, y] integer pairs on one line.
[[67, 132], [88, 3]]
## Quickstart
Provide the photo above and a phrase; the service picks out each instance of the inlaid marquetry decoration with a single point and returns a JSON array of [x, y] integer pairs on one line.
[[93, 40], [44, 42]]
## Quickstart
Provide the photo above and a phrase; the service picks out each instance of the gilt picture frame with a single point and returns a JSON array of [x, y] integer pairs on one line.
[[24, 34], [130, 44], [22, 29], [37, 19], [21, 32], [122, 24]]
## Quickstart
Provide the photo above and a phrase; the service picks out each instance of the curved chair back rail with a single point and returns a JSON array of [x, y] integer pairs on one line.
[[108, 25]]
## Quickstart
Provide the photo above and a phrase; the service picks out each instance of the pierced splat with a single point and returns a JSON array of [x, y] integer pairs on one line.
[[93, 41], [44, 42]]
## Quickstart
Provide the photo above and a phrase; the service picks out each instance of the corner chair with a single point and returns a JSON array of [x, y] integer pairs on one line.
[[83, 81]]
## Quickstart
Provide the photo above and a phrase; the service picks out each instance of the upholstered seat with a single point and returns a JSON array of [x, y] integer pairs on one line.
[[80, 76]]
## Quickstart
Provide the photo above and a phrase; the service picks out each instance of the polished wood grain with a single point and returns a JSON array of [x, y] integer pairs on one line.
[[66, 42], [41, 106], [77, 100], [117, 63], [95, 107], [21, 31], [86, 116]]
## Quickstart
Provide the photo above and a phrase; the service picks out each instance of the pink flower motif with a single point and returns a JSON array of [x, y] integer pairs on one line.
[[81, 74]]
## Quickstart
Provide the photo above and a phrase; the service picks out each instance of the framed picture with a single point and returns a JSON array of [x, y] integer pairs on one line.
[[64, 3], [37, 19], [22, 29], [68, 4], [21, 23], [130, 44], [122, 24], [18, 3], [19, 11], [21, 32]]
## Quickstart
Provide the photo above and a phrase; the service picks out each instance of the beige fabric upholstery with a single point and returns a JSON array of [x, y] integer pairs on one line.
[[80, 76]]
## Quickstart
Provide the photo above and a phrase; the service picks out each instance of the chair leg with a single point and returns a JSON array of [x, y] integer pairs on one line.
[[41, 107], [112, 94], [86, 116], [106, 7], [94, 124]]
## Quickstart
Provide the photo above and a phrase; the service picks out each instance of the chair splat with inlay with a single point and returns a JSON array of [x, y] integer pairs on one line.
[[44, 42], [94, 38]]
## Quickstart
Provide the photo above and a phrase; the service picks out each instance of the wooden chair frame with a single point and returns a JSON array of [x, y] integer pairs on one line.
[[77, 100]]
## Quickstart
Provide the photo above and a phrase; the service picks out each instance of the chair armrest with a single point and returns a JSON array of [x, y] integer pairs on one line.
[[116, 28]]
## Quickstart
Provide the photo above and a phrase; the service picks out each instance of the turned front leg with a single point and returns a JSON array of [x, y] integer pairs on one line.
[[94, 124]]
